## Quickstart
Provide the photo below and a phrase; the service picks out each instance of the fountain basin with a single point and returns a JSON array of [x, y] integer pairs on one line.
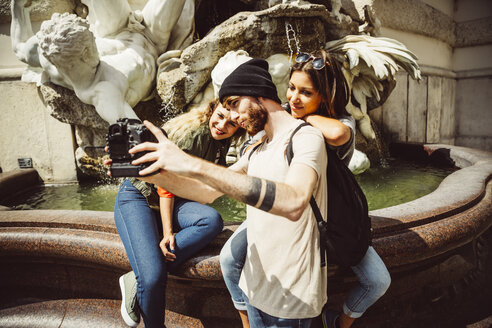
[[436, 249]]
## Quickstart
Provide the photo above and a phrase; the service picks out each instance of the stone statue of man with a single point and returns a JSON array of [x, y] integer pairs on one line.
[[114, 69]]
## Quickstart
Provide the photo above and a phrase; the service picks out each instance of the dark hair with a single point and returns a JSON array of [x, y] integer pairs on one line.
[[329, 82]]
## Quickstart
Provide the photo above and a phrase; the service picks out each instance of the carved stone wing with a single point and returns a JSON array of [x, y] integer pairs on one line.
[[369, 65]]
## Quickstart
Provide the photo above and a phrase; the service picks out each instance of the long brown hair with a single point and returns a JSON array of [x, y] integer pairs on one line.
[[329, 82]]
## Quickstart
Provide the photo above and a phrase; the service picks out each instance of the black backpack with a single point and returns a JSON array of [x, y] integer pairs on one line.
[[346, 234]]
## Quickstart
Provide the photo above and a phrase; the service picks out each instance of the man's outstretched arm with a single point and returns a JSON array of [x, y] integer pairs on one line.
[[287, 199]]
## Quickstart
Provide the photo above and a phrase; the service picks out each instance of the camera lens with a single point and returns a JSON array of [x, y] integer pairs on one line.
[[116, 130]]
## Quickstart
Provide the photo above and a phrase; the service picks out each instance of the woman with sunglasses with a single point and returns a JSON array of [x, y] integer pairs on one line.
[[160, 231], [318, 94]]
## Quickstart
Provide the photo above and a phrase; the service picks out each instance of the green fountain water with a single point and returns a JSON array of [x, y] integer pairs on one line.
[[385, 186]]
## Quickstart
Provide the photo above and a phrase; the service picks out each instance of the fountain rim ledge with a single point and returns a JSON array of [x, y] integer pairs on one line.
[[400, 238]]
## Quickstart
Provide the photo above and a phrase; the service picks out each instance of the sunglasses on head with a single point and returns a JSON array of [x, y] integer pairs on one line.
[[318, 62]]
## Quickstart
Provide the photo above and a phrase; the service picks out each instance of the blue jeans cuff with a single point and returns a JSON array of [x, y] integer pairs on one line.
[[240, 306], [351, 313]]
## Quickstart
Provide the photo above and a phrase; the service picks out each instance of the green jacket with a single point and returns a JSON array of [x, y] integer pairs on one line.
[[198, 143]]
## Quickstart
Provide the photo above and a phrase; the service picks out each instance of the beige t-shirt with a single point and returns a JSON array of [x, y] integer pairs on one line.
[[282, 275]]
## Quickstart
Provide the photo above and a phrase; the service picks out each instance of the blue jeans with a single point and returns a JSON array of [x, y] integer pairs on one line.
[[259, 319], [373, 281], [373, 277], [140, 229], [232, 257]]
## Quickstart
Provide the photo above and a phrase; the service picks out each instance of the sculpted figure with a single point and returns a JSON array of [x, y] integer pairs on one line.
[[110, 64]]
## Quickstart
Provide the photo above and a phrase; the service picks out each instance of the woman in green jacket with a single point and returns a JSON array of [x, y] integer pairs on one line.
[[161, 231]]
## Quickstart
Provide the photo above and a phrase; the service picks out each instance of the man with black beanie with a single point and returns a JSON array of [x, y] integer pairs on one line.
[[282, 282]]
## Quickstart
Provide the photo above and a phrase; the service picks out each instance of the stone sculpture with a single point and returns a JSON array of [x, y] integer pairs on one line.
[[288, 27], [369, 65], [110, 63], [260, 33], [130, 52]]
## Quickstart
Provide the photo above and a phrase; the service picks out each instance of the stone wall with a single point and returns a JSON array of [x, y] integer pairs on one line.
[[472, 63], [26, 128], [28, 131], [452, 103], [420, 112]]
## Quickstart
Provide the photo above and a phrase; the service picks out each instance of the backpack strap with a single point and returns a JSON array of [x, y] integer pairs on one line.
[[289, 152], [321, 222], [255, 146], [253, 150]]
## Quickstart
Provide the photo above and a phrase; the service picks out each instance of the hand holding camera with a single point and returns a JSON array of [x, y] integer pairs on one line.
[[122, 136]]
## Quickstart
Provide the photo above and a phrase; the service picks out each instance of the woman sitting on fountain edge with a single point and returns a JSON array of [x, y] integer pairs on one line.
[[157, 244]]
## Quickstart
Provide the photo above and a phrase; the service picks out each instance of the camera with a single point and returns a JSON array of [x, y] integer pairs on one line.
[[122, 136]]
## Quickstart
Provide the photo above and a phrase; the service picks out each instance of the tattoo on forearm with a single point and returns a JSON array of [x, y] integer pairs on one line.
[[269, 198], [254, 193], [261, 194]]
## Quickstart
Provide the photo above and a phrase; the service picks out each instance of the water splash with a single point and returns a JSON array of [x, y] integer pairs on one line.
[[383, 160], [168, 110], [291, 36]]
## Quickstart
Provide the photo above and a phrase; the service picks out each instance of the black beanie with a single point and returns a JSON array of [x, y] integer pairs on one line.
[[250, 79]]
